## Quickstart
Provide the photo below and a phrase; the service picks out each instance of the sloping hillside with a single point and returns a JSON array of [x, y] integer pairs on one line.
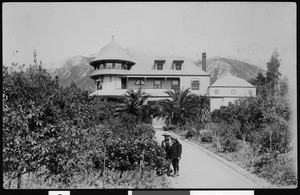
[[75, 69], [220, 66]]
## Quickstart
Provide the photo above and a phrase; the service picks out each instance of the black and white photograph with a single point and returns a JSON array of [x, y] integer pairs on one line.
[[149, 95]]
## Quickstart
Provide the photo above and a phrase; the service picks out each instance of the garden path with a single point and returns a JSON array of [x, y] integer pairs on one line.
[[199, 170]]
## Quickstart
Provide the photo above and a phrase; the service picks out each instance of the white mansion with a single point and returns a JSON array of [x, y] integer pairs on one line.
[[115, 72]]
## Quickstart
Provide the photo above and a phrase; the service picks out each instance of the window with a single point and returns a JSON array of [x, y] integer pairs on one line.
[[140, 82], [175, 84], [101, 66], [123, 83], [118, 65], [125, 66], [177, 64], [99, 83], [159, 64], [157, 84], [108, 65], [195, 85]]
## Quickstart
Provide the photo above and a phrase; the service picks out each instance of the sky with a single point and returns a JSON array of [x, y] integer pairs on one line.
[[247, 31]]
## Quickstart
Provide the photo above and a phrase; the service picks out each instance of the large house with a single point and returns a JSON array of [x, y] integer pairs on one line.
[[115, 72]]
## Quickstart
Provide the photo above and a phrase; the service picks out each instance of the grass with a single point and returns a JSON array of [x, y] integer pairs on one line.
[[94, 180]]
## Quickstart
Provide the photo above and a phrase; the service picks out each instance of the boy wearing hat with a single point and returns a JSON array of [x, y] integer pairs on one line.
[[166, 144], [175, 155]]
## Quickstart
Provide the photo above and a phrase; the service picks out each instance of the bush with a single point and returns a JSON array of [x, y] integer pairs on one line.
[[190, 131], [206, 135], [67, 132], [128, 154], [223, 136], [279, 170]]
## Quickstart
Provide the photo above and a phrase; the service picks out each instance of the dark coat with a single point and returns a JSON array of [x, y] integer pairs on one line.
[[167, 147], [175, 150]]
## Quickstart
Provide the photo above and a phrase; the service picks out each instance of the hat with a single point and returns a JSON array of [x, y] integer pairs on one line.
[[175, 138]]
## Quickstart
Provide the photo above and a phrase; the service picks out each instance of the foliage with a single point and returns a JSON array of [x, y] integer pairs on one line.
[[133, 102], [202, 109], [65, 132], [264, 122], [206, 135], [178, 109], [95, 180], [127, 155], [272, 71]]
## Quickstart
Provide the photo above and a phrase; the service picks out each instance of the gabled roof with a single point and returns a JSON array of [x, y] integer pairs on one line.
[[145, 65], [231, 81]]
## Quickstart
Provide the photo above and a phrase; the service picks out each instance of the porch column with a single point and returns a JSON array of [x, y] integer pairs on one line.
[[145, 82], [126, 82]]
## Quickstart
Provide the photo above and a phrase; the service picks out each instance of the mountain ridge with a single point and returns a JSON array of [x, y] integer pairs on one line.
[[220, 66], [77, 69]]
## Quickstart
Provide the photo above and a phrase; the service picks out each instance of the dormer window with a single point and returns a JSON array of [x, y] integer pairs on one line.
[[177, 64], [159, 64]]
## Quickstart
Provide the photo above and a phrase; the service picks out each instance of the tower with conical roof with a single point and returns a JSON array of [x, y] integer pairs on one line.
[[111, 64]]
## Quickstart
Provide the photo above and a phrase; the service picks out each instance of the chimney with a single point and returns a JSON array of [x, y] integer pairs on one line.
[[204, 61]]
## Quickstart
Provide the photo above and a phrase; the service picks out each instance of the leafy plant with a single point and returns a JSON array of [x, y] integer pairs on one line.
[[177, 110]]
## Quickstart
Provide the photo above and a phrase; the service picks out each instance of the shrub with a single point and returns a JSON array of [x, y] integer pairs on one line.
[[279, 170], [206, 135], [190, 131], [223, 136], [128, 154]]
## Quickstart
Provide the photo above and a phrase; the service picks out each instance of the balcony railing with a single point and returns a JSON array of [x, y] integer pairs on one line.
[[109, 72]]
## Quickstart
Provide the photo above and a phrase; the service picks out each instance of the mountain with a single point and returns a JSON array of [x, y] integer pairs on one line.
[[220, 66], [77, 69], [73, 69]]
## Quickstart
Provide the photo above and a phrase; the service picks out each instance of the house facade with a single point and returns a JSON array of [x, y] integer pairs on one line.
[[115, 72], [227, 89]]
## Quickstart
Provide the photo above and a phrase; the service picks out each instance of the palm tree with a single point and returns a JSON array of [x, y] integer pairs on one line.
[[133, 102], [178, 109], [202, 109]]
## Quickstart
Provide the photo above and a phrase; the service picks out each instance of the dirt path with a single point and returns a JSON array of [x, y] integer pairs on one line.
[[199, 170]]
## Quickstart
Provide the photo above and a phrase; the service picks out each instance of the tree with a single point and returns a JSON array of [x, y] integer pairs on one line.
[[133, 102], [260, 82], [28, 112], [273, 72], [203, 108], [178, 109]]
